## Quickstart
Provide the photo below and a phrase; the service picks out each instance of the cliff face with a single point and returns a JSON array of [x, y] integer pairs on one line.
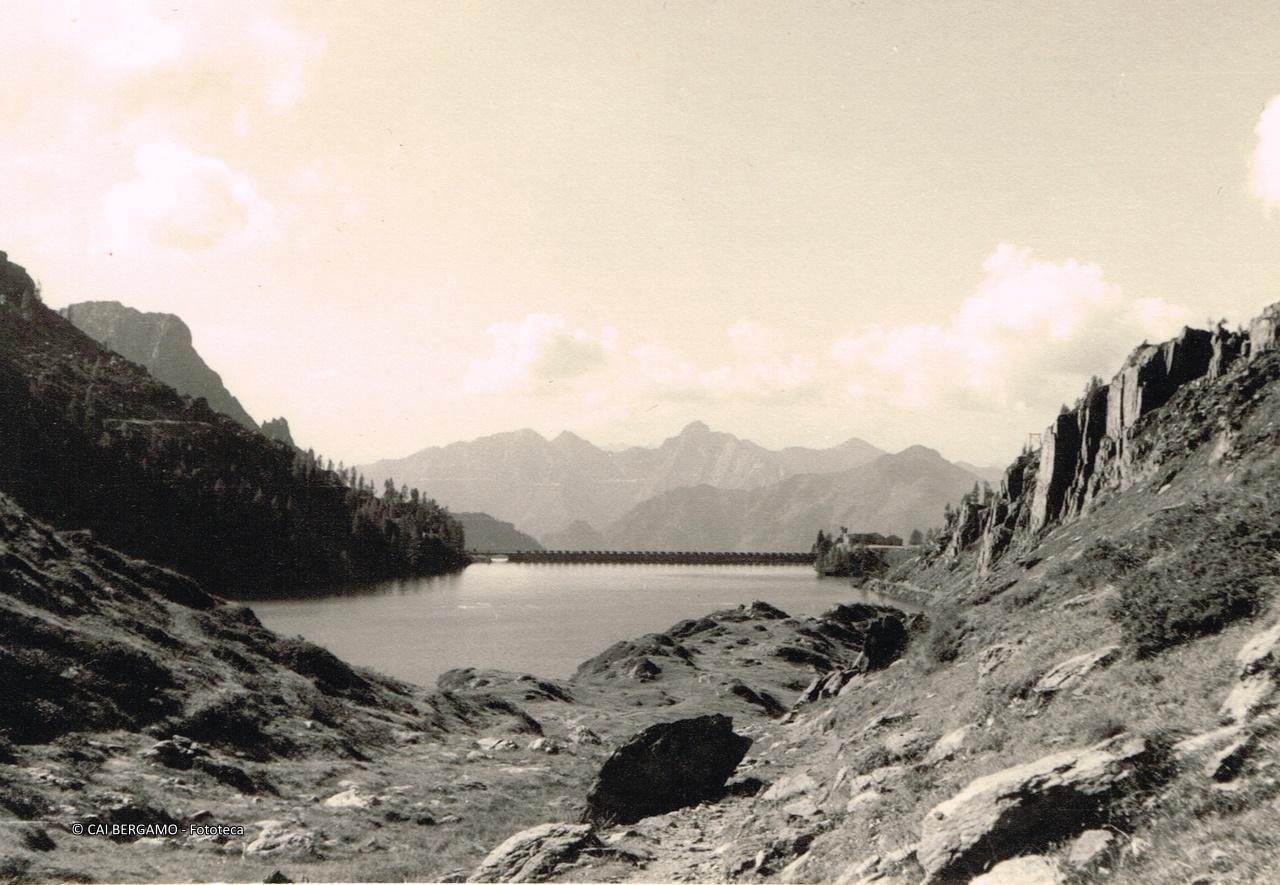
[[1089, 451], [160, 343]]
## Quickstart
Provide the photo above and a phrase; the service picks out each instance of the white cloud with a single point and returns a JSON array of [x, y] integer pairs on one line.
[[758, 370], [1030, 334], [123, 37], [181, 201], [541, 349], [149, 56], [1264, 166], [543, 353]]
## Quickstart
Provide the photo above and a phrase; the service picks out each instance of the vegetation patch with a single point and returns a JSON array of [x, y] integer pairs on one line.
[[1212, 563], [944, 633]]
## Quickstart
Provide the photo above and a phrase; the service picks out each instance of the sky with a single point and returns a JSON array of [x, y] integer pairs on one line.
[[402, 224]]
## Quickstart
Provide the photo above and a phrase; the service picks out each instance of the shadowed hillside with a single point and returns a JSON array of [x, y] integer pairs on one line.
[[92, 441]]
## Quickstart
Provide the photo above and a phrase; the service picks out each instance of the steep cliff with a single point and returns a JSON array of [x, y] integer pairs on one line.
[[1101, 445], [161, 344]]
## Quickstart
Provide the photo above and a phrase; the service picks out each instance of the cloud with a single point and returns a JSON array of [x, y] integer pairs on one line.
[[758, 370], [147, 57], [539, 350], [180, 201], [1264, 165], [123, 37], [1031, 333], [543, 353]]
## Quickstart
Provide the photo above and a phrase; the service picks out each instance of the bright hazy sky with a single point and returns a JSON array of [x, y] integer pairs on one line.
[[403, 224]]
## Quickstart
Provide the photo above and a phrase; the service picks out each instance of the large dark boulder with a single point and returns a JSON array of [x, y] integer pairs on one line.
[[667, 766]]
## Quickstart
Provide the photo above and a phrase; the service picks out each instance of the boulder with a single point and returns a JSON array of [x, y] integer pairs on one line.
[[1033, 805], [992, 657], [580, 734], [1257, 678], [827, 685], [789, 787], [882, 780], [349, 798], [1089, 848], [1028, 870], [1072, 671], [534, 855], [177, 752], [544, 745], [949, 744], [277, 837], [1225, 764], [493, 744], [667, 766], [907, 744]]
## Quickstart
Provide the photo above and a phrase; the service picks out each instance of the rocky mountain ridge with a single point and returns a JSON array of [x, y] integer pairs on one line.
[[1089, 452], [543, 486], [161, 343], [893, 494]]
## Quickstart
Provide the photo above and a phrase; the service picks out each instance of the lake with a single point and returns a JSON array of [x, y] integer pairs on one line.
[[541, 619]]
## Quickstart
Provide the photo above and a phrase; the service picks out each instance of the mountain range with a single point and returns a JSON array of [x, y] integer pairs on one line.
[[699, 490]]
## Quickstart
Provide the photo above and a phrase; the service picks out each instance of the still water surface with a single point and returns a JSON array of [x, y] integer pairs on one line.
[[542, 619]]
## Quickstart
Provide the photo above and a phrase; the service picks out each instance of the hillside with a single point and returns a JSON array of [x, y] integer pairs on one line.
[[545, 485], [161, 344], [134, 701], [486, 534], [894, 494], [92, 441]]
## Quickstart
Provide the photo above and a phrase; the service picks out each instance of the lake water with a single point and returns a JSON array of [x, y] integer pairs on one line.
[[541, 619]]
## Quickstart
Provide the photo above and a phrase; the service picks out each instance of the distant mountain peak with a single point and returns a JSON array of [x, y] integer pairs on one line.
[[920, 452], [568, 437], [695, 428]]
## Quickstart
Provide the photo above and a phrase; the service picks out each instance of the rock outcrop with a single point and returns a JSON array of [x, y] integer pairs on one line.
[[533, 855], [1088, 451], [277, 429], [161, 344], [1030, 806], [667, 766], [1257, 679], [1264, 331], [1072, 671]]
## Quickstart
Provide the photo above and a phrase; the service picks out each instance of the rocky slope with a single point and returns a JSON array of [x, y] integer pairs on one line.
[[161, 344], [91, 440], [1098, 702], [133, 698], [544, 486]]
